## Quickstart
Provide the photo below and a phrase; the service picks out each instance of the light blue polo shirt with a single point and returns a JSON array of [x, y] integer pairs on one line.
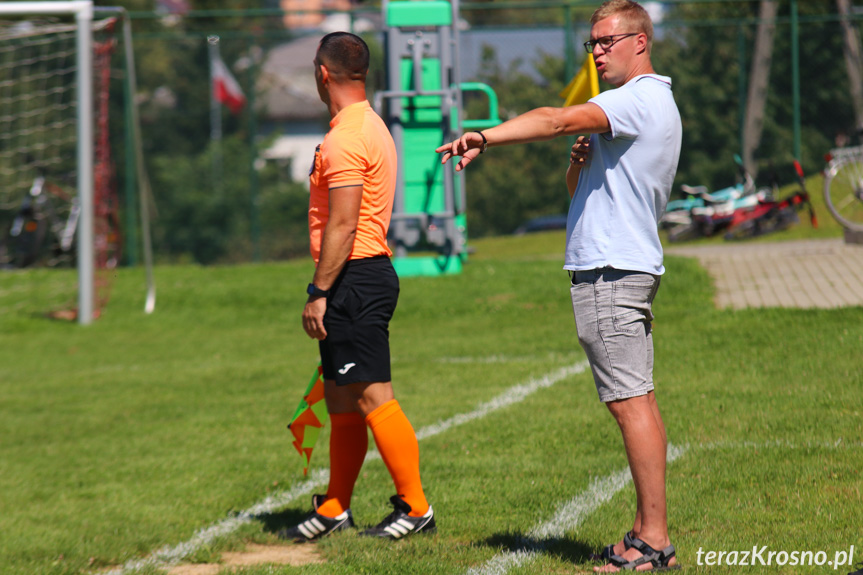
[[627, 178]]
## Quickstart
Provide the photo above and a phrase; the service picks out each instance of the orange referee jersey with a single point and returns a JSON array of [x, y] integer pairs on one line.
[[357, 151]]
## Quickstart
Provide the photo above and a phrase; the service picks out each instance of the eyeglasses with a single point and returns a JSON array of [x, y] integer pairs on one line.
[[606, 41]]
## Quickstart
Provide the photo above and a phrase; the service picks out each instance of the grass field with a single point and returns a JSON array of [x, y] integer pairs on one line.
[[138, 432]]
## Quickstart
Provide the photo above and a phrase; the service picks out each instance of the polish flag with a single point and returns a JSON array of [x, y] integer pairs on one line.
[[225, 88]]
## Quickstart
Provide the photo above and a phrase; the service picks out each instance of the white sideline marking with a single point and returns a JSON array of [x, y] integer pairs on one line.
[[500, 358], [172, 555], [512, 395], [567, 517]]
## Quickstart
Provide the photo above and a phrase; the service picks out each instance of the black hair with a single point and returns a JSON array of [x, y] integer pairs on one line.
[[344, 53]]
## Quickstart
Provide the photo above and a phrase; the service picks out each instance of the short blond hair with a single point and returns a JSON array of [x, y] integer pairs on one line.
[[632, 13]]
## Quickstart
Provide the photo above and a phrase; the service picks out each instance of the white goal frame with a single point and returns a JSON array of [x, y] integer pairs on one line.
[[83, 12]]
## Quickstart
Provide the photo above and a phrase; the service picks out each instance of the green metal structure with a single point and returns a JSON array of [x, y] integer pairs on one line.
[[422, 108]]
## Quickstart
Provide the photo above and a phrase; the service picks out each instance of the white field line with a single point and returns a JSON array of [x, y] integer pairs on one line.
[[487, 359], [567, 517], [168, 556], [551, 357], [511, 396]]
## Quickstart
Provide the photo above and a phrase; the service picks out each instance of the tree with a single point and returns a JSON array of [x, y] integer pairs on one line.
[[211, 224], [700, 50], [194, 221], [497, 13], [514, 183]]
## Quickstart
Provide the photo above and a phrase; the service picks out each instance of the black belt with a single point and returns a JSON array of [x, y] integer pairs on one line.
[[595, 271]]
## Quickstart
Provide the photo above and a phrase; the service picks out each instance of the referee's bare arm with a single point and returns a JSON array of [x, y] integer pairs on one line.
[[336, 246]]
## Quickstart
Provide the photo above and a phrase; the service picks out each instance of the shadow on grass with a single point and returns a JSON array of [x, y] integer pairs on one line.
[[273, 522], [563, 548]]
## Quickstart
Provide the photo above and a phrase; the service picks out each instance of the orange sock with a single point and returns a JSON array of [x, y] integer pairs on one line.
[[397, 444], [349, 443]]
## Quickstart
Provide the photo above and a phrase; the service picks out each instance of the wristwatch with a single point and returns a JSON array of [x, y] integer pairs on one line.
[[315, 291]]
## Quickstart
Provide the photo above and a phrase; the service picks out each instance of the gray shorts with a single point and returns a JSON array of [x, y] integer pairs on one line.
[[612, 311]]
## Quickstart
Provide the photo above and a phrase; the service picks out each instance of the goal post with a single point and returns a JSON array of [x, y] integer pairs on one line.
[[82, 10], [55, 56]]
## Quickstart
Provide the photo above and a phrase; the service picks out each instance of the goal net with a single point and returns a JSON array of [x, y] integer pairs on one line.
[[54, 212]]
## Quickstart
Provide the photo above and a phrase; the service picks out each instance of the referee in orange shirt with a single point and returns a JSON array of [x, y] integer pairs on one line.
[[352, 298]]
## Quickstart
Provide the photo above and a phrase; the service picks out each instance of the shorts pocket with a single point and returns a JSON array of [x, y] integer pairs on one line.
[[631, 301], [346, 303], [584, 313]]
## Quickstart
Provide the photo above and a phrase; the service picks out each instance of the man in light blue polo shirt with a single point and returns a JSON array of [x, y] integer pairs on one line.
[[619, 179], [628, 175]]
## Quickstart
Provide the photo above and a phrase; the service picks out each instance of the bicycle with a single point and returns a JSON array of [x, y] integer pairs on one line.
[[38, 220], [843, 186]]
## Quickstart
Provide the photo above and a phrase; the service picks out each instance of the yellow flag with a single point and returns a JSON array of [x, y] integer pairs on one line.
[[584, 86]]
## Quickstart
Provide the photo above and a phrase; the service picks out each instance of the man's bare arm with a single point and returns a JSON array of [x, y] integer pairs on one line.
[[533, 126], [336, 246], [338, 238]]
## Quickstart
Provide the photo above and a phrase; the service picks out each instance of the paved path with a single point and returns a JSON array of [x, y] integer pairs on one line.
[[801, 274]]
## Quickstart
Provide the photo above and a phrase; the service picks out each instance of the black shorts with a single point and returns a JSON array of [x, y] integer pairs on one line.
[[359, 308]]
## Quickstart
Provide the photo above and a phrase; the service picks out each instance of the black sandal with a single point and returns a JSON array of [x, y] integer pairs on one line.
[[608, 551], [658, 559]]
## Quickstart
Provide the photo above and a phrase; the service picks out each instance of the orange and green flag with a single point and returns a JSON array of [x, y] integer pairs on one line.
[[584, 86], [309, 418]]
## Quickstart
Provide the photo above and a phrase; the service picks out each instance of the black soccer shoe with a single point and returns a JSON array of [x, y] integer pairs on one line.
[[399, 524], [316, 526]]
